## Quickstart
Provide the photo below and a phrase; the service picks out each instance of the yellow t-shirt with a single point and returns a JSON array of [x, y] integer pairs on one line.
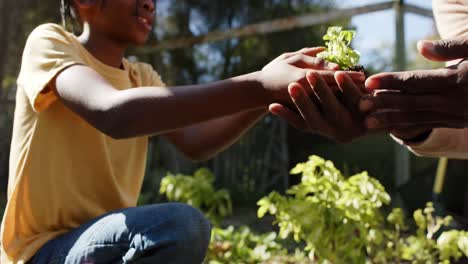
[[64, 172]]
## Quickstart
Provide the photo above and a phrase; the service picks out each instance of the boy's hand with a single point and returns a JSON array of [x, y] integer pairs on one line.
[[292, 68], [329, 117], [299, 59]]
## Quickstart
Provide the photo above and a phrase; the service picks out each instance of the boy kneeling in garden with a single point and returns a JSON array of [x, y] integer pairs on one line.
[[81, 127]]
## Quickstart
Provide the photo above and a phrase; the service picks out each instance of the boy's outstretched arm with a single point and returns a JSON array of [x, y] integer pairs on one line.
[[158, 110], [154, 110]]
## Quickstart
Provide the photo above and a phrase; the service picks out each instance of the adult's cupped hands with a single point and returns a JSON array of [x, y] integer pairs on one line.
[[413, 102]]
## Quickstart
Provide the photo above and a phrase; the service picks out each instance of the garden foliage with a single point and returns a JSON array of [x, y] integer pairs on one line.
[[331, 218]]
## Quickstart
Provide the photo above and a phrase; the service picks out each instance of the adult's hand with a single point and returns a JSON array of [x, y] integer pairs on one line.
[[422, 99]]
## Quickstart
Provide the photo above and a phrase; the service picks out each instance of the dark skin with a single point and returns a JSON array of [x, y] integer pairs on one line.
[[324, 113], [407, 104], [200, 120], [412, 103]]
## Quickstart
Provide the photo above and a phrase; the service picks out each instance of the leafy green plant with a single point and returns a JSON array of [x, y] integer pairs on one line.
[[240, 245], [332, 220], [338, 48], [331, 214], [341, 221], [198, 191], [397, 244], [423, 247]]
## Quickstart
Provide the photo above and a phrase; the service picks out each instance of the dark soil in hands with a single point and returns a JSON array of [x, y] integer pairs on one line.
[[358, 68]]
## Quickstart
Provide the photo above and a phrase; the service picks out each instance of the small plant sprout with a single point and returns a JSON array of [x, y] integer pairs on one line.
[[338, 48]]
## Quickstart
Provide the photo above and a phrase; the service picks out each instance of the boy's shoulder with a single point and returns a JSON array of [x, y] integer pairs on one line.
[[49, 28], [50, 35]]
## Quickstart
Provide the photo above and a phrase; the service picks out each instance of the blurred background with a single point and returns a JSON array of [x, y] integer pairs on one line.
[[261, 160]]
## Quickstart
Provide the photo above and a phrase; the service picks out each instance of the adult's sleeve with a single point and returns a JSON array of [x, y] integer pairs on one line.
[[451, 17], [442, 142]]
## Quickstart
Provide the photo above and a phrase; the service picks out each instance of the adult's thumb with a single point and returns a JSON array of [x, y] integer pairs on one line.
[[444, 50]]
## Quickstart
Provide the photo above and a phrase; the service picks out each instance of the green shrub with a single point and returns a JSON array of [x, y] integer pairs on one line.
[[341, 221], [331, 218], [198, 191], [331, 214], [240, 245]]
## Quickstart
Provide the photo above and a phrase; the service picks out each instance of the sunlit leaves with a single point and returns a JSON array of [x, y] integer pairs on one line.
[[340, 220], [330, 213], [198, 191], [338, 47], [332, 219], [241, 245]]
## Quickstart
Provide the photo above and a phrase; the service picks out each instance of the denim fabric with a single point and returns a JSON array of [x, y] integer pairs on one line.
[[164, 233]]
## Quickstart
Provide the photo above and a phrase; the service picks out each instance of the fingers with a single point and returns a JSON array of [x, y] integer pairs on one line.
[[394, 119], [329, 77], [444, 50], [424, 81], [352, 93], [306, 51], [309, 117], [305, 61], [309, 112], [318, 83], [321, 111], [291, 117], [311, 51], [330, 105], [391, 100]]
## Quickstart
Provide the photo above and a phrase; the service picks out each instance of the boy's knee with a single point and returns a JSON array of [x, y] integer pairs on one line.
[[175, 232], [194, 225], [193, 230]]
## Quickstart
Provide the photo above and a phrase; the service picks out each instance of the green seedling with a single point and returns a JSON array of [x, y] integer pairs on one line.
[[338, 48]]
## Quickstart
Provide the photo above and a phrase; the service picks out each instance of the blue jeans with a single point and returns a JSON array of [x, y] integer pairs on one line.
[[164, 233]]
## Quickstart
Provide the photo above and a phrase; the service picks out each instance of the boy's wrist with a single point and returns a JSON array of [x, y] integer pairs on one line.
[[256, 90]]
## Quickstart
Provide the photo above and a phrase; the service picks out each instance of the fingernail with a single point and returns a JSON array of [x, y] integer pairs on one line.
[[365, 105], [273, 109], [426, 45], [372, 122], [333, 66], [372, 83], [311, 78], [294, 91], [338, 76]]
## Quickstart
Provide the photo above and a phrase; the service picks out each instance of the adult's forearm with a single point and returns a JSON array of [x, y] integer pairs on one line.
[[156, 110]]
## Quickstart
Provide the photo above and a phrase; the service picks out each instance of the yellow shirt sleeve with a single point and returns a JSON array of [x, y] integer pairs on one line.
[[147, 76], [155, 79], [48, 51]]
